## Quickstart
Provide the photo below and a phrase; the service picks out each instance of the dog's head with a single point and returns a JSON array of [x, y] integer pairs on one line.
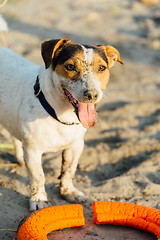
[[83, 73]]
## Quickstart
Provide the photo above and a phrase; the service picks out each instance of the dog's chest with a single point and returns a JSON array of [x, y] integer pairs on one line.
[[53, 136]]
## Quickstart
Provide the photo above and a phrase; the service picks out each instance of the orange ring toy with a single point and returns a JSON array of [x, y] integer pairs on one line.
[[44, 221], [39, 223], [127, 214]]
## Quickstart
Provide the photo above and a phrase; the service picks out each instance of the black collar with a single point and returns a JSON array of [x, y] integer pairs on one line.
[[39, 94]]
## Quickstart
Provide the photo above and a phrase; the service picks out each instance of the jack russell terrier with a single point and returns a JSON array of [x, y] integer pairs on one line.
[[49, 108]]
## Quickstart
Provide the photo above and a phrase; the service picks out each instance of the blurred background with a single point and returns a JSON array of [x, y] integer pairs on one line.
[[121, 159]]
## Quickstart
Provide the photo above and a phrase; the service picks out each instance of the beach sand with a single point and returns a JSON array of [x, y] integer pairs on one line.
[[121, 158]]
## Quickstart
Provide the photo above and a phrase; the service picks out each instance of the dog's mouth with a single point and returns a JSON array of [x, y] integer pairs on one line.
[[86, 112]]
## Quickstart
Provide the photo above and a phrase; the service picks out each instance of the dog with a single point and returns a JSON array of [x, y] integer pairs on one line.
[[50, 107]]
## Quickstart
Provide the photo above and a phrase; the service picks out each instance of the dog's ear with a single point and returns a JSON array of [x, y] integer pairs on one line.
[[50, 49], [112, 55]]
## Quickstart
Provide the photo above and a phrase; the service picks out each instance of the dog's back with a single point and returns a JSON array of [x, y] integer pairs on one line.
[[16, 77]]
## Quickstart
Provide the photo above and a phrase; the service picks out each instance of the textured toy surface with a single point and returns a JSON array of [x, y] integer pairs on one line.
[[39, 223], [127, 214]]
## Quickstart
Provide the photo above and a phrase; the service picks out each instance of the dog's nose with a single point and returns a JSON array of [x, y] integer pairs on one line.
[[91, 95]]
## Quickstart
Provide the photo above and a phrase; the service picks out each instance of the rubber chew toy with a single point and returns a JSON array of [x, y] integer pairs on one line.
[[127, 214], [46, 220]]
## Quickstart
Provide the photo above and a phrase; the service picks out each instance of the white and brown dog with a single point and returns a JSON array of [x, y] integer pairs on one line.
[[55, 115]]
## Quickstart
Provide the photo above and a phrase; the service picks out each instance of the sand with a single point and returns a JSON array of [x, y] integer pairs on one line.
[[120, 161]]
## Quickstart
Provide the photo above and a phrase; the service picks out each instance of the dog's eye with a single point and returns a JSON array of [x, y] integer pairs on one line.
[[70, 67], [101, 68]]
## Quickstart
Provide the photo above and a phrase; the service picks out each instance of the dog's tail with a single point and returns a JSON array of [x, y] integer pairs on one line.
[[3, 25], [3, 28]]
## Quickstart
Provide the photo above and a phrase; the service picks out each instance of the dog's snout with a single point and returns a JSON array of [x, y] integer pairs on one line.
[[91, 95]]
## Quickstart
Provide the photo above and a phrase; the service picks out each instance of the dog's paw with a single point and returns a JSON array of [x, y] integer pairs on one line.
[[35, 205], [72, 195], [78, 198]]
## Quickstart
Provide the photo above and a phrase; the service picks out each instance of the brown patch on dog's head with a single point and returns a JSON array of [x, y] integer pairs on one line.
[[100, 68], [109, 55], [69, 63], [112, 54], [70, 55], [50, 49]]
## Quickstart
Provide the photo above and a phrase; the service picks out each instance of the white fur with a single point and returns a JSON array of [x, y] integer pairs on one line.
[[3, 25], [24, 117], [89, 77], [88, 55]]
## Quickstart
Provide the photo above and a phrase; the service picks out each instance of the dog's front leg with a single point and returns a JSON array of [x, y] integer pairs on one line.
[[38, 197], [18, 151], [70, 159]]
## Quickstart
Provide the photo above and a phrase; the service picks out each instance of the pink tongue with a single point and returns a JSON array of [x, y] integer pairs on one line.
[[87, 114]]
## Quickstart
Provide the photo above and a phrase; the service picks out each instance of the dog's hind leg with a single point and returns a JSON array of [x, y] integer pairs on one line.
[[18, 151], [32, 157], [69, 164]]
